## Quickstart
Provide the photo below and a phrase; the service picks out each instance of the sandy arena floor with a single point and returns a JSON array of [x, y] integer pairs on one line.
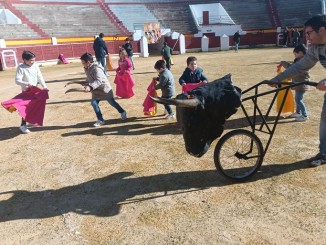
[[132, 182]]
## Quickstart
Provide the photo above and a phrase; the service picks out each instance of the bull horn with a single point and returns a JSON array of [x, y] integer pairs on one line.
[[177, 102], [75, 90]]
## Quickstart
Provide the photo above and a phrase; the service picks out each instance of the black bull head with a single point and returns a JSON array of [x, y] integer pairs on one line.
[[202, 112]]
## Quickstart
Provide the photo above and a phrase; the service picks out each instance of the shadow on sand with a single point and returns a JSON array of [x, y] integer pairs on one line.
[[104, 196]]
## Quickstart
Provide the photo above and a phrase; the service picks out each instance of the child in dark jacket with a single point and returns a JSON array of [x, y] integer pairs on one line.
[[192, 74]]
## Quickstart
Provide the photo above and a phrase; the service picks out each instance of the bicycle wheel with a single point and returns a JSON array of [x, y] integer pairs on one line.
[[238, 155]]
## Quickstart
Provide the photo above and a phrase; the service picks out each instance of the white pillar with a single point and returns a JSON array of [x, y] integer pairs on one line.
[[204, 44], [225, 45], [182, 44], [144, 47], [2, 43], [54, 41], [323, 8]]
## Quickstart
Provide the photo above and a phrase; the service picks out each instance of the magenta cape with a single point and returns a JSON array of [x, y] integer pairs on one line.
[[191, 86], [30, 104], [125, 85], [150, 107]]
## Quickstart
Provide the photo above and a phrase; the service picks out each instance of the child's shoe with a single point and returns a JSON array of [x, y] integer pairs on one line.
[[98, 123], [318, 160], [170, 116], [301, 119], [123, 115], [24, 129], [295, 115]]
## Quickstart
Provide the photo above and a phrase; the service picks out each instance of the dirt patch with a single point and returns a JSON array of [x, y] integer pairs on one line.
[[132, 182]]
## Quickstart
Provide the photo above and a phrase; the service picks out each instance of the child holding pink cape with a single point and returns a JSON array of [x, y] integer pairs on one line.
[[31, 102], [125, 83], [192, 76], [150, 107]]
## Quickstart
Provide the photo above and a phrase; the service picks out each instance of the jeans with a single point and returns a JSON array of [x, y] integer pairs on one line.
[[300, 105], [322, 129], [23, 123], [132, 62], [168, 108], [236, 46], [112, 102], [168, 62], [102, 61]]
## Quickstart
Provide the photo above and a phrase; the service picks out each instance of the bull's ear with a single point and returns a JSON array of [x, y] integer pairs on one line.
[[177, 102]]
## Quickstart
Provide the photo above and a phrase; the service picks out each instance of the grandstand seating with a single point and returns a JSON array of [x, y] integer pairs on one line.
[[175, 16], [253, 17], [296, 13], [68, 20], [133, 15], [84, 18]]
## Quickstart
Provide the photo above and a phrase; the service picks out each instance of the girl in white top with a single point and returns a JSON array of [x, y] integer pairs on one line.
[[28, 74]]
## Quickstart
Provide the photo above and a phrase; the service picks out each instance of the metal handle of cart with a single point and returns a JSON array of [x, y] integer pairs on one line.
[[240, 153]]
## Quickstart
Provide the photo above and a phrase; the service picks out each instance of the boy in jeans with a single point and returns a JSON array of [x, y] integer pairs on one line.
[[166, 84], [98, 84]]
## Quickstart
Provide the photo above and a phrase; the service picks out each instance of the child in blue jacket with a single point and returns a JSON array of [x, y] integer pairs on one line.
[[192, 74]]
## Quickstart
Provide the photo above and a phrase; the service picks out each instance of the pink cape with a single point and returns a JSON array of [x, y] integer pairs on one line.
[[191, 86], [125, 85], [150, 107], [30, 104], [62, 59]]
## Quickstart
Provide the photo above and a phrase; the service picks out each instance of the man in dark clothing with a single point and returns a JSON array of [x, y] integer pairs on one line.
[[128, 47], [166, 53], [236, 39], [101, 50], [285, 37]]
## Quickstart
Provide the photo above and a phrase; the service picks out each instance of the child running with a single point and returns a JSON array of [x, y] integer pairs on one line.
[[166, 84], [98, 84], [301, 113]]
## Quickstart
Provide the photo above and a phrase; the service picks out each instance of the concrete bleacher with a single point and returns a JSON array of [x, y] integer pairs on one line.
[[133, 15], [68, 20], [250, 14], [17, 31], [175, 16], [296, 13]]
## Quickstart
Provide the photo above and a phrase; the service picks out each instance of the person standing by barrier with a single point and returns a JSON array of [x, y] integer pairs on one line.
[[236, 39], [128, 47], [166, 54], [100, 50], [315, 31]]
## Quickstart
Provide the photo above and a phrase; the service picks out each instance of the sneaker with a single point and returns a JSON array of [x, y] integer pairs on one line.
[[301, 119], [24, 129], [318, 160], [123, 115], [98, 123], [170, 116], [295, 115]]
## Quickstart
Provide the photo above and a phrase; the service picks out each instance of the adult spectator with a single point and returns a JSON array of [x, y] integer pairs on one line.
[[101, 50], [315, 31], [166, 53], [130, 52], [236, 39], [285, 37], [296, 37]]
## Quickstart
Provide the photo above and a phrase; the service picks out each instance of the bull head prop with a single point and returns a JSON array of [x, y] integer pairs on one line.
[[202, 112]]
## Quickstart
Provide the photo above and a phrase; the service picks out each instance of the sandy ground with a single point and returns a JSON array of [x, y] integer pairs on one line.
[[132, 182]]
